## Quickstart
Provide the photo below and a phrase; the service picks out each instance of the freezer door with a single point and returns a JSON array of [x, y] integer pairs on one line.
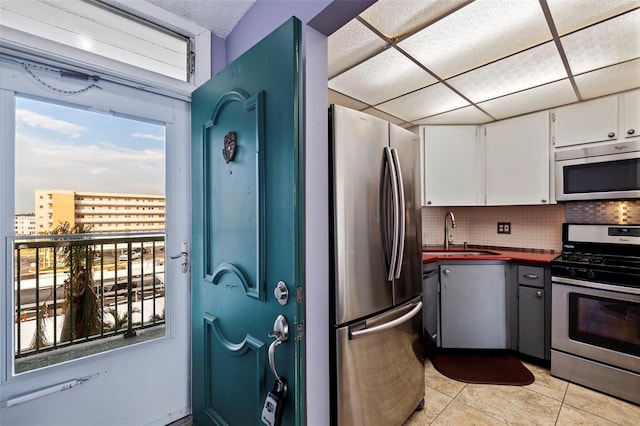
[[380, 368], [360, 286], [406, 146]]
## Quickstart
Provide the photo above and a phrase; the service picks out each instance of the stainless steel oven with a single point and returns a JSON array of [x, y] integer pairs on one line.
[[595, 309], [605, 171]]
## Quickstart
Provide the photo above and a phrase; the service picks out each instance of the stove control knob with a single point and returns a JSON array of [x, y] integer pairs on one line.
[[572, 272], [591, 274]]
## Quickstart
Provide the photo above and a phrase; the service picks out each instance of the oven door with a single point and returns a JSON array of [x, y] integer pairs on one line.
[[580, 175], [596, 321]]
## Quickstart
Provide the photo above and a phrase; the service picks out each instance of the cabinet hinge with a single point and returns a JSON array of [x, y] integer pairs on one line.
[[299, 294], [553, 116], [485, 131], [300, 331]]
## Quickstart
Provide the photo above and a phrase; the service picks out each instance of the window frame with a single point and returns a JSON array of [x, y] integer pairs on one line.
[[32, 47]]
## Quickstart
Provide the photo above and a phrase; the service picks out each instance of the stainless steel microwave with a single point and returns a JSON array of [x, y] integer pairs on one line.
[[597, 172]]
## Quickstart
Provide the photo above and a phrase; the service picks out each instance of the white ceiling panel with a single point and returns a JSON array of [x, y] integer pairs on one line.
[[395, 18], [466, 115], [608, 80], [538, 98], [527, 69], [377, 113], [351, 44], [610, 42], [567, 17], [423, 103], [482, 32], [340, 99], [382, 77]]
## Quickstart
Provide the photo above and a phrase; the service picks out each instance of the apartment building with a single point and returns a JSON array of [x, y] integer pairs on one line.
[[25, 224], [104, 212]]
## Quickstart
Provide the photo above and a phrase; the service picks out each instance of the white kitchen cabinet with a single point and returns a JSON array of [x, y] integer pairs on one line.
[[450, 165], [631, 123], [584, 122], [473, 306], [518, 162]]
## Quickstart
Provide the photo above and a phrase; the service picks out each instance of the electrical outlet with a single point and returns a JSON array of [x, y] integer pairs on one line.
[[504, 227]]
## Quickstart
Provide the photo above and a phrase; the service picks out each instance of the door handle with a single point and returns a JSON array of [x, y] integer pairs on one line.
[[386, 326], [401, 208], [281, 334]]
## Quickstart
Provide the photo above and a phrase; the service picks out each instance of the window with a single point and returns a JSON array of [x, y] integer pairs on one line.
[[123, 153]]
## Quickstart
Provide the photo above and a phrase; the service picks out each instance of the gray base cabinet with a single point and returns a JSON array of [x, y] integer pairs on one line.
[[473, 306], [534, 311]]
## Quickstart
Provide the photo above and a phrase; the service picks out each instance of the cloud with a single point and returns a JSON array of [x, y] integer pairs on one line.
[[147, 136], [99, 167], [33, 119]]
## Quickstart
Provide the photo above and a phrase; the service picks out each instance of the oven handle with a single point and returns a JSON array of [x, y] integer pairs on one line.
[[599, 286]]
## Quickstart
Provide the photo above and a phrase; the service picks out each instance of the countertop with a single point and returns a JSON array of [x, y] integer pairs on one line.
[[432, 254]]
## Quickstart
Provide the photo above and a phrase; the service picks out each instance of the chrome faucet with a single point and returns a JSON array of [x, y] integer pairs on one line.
[[448, 239]]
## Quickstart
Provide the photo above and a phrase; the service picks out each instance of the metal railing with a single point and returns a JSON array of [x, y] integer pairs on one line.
[[74, 288]]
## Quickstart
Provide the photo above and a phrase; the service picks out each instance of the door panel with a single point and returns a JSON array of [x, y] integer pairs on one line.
[[407, 145], [246, 236], [361, 285]]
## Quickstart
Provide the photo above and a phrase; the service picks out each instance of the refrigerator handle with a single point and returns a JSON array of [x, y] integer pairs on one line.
[[401, 212], [387, 325], [396, 213]]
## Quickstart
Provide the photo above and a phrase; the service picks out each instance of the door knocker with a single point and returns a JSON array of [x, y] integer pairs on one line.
[[229, 150]]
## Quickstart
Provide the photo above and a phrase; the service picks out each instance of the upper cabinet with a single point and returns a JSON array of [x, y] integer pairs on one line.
[[631, 106], [518, 162], [609, 118], [450, 165]]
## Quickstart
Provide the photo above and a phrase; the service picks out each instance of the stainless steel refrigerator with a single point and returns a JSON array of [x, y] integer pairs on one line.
[[376, 270]]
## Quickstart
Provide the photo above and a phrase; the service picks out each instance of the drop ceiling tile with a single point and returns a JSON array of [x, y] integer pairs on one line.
[[527, 69], [616, 78], [351, 44], [423, 103], [395, 18], [340, 99], [479, 33], [572, 15], [377, 113], [610, 42], [383, 77], [536, 99], [466, 115]]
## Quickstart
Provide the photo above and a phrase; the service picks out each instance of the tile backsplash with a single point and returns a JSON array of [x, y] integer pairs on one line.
[[623, 212], [533, 227]]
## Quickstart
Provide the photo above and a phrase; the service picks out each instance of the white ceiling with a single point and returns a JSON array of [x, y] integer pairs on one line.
[[218, 16], [456, 61]]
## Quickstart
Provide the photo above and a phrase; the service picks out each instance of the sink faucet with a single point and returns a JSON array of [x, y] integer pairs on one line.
[[448, 239]]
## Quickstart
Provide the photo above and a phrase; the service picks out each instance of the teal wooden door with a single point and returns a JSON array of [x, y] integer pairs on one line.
[[247, 234]]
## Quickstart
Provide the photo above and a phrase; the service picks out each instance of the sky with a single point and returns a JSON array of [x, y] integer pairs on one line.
[[61, 147]]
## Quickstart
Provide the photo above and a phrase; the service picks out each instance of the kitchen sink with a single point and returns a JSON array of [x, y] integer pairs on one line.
[[460, 253]]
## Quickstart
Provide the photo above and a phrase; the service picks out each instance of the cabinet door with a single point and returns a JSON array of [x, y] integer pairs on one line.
[[584, 122], [473, 306], [531, 321], [517, 170], [631, 126], [450, 165]]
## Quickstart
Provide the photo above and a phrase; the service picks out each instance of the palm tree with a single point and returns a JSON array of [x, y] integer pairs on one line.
[[81, 303], [119, 321], [39, 339]]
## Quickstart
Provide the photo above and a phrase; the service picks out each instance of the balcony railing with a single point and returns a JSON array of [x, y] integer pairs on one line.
[[75, 288]]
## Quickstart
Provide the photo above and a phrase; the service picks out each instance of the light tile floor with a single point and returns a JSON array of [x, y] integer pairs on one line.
[[547, 401]]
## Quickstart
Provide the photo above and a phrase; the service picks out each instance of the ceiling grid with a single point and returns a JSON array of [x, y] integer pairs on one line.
[[477, 61]]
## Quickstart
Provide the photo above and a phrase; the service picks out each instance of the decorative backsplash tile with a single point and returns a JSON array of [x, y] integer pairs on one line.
[[623, 212], [534, 227]]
